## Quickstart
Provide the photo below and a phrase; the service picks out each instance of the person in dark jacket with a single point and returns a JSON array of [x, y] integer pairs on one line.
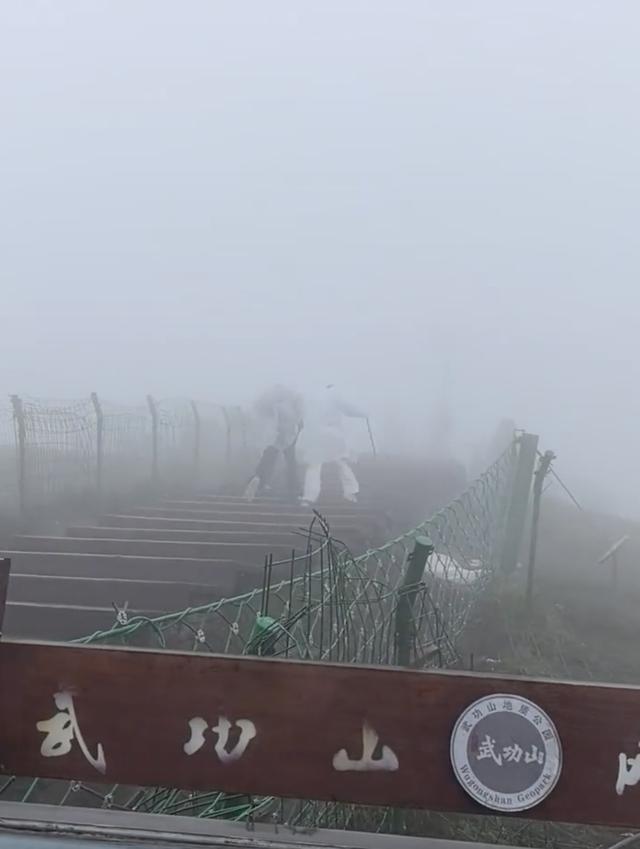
[[285, 408]]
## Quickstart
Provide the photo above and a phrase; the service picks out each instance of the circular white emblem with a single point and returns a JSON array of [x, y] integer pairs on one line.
[[506, 753]]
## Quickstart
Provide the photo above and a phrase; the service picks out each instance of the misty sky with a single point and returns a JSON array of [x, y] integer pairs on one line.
[[200, 197]]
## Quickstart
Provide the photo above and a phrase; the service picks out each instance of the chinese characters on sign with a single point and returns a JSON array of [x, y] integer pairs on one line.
[[62, 729], [506, 753], [509, 754], [628, 772], [198, 727], [386, 762], [296, 729], [505, 750]]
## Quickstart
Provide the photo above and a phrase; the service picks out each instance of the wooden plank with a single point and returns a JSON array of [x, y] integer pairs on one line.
[[297, 518], [137, 706], [220, 506], [239, 552], [289, 540], [159, 596], [114, 520], [27, 621], [323, 502], [238, 499], [187, 570]]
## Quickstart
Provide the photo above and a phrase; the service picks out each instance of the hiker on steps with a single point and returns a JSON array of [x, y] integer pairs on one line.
[[284, 408], [324, 442]]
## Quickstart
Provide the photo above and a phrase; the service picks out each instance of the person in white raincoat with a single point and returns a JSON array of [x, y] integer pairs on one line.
[[324, 442]]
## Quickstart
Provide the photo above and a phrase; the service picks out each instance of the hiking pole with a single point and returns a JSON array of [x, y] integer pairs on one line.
[[371, 439]]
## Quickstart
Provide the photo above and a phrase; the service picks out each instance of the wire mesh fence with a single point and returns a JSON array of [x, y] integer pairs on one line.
[[59, 441], [8, 461], [70, 449], [125, 452], [324, 604]]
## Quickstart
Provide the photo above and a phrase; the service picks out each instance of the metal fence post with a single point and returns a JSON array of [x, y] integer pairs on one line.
[[416, 561], [611, 556], [541, 472], [227, 421], [21, 446], [197, 433], [519, 503], [153, 410], [243, 428], [97, 406]]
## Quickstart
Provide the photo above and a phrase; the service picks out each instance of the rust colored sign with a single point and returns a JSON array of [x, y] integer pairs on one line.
[[347, 733]]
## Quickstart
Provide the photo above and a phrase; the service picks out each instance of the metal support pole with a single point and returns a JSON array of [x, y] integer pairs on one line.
[[153, 410], [519, 503], [611, 556], [227, 421], [416, 561], [197, 434], [21, 455], [541, 472], [371, 439], [243, 426], [97, 406]]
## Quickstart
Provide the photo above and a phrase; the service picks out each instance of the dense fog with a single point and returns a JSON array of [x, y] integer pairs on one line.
[[428, 203]]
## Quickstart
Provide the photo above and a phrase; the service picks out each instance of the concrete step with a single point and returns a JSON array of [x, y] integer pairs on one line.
[[266, 538], [238, 552], [158, 596], [221, 573]]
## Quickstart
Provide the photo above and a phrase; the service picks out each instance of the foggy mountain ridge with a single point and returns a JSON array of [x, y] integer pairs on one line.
[[200, 201]]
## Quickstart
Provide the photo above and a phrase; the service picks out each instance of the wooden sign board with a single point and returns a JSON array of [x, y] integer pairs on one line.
[[302, 730]]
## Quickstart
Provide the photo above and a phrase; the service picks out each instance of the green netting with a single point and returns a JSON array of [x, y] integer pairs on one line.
[[323, 604]]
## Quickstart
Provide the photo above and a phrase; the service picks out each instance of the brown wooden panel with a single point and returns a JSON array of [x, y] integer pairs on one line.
[[137, 704], [159, 596], [344, 526], [291, 516], [275, 538], [230, 506], [246, 551], [188, 570], [24, 621]]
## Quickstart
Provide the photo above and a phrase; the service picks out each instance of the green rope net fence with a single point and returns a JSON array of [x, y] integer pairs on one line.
[[322, 604]]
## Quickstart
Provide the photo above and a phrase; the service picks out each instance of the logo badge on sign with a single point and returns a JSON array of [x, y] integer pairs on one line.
[[506, 753]]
